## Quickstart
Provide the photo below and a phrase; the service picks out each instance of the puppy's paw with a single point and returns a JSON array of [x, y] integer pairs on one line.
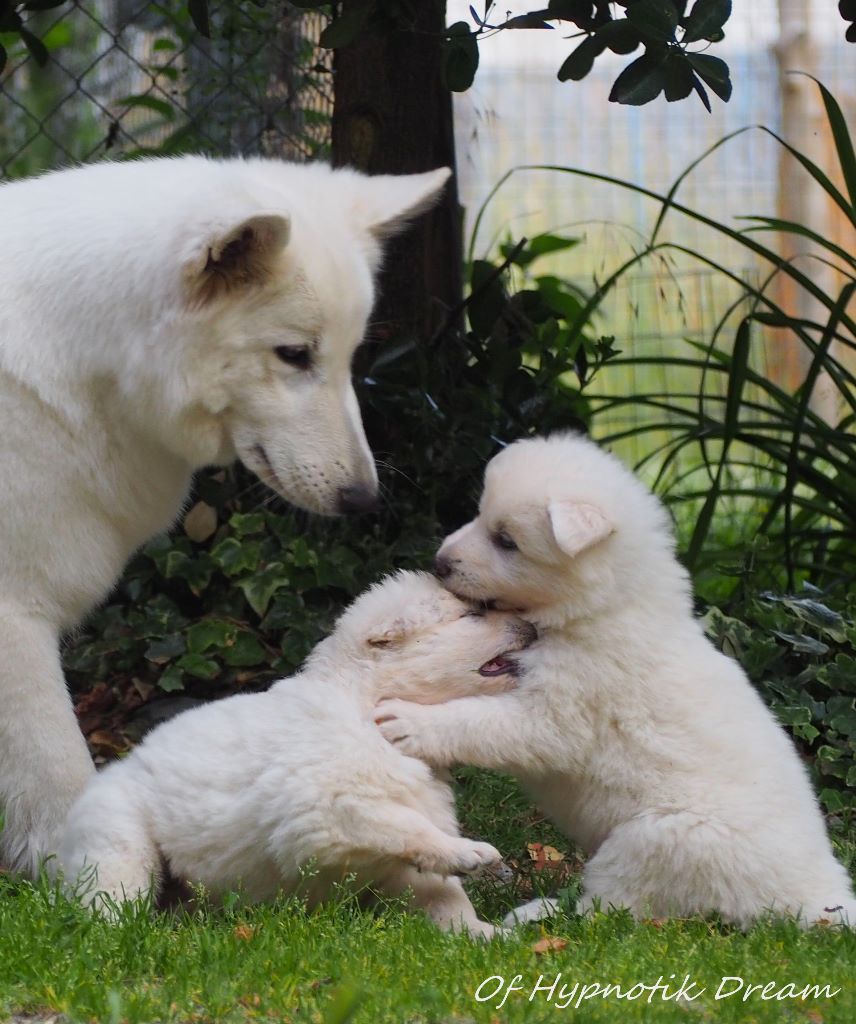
[[535, 910], [471, 858], [408, 727]]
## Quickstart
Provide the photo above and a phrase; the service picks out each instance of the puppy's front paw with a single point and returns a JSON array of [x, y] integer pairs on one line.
[[473, 858], [408, 727], [457, 857]]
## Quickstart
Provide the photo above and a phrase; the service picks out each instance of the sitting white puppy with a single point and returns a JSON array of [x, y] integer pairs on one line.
[[630, 730], [249, 790]]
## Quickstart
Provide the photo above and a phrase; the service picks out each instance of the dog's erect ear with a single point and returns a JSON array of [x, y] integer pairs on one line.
[[384, 203], [389, 634], [577, 525], [238, 259]]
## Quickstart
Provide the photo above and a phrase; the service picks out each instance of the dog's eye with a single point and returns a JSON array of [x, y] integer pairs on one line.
[[502, 540], [294, 355]]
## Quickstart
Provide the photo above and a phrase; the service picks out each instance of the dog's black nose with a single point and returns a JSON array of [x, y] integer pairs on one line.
[[357, 499], [442, 567], [527, 632]]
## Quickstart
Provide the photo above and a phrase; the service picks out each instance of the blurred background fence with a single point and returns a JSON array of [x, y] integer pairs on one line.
[[128, 78]]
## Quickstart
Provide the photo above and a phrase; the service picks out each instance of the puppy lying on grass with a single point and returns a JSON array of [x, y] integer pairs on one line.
[[249, 790], [632, 732]]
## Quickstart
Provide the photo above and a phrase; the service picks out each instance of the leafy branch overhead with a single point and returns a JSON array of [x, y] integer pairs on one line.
[[664, 29]]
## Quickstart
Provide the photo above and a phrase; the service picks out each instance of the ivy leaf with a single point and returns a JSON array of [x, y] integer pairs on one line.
[[706, 20], [197, 666], [165, 649], [171, 680], [640, 82], [260, 588], [208, 633], [234, 557], [244, 650]]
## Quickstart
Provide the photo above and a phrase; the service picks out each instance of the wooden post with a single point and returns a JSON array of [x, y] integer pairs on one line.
[[799, 199], [393, 115]]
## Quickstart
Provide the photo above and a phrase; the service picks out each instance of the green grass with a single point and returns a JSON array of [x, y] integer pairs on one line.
[[346, 963]]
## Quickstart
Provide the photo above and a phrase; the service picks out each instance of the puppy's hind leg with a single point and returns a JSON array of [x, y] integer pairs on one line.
[[44, 763], [108, 856], [387, 829]]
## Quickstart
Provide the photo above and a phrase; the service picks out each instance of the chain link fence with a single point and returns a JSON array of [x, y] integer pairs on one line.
[[126, 78]]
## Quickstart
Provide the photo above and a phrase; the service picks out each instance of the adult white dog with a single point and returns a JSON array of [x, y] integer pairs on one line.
[[249, 790], [634, 734], [159, 316]]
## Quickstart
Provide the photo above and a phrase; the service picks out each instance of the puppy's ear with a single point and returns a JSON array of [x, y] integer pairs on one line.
[[237, 259], [384, 203], [388, 635], [577, 525]]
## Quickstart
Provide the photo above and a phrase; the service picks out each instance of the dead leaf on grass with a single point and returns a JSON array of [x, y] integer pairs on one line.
[[549, 943]]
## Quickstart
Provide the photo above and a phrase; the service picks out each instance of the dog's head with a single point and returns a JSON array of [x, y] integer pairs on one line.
[[559, 526], [423, 644], [277, 299]]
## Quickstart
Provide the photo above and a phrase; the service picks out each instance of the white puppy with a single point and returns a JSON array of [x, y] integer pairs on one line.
[[159, 316], [633, 733], [249, 790]]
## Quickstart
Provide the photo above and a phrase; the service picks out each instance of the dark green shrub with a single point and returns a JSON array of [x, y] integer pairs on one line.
[[801, 654]]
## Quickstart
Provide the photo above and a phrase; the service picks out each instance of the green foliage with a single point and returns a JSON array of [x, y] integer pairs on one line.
[[800, 651]]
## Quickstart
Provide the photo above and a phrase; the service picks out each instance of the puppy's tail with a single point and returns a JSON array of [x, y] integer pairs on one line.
[[107, 856]]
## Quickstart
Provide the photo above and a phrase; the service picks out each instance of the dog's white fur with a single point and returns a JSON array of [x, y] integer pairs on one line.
[[251, 789], [631, 731], [141, 306]]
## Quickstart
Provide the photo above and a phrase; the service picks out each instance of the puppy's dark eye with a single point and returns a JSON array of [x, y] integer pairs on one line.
[[502, 540], [294, 355]]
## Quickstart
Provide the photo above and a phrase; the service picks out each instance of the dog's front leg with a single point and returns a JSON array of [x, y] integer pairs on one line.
[[501, 732], [44, 763]]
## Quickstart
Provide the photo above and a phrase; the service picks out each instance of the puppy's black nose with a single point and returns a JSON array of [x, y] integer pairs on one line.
[[442, 567], [357, 499], [527, 632]]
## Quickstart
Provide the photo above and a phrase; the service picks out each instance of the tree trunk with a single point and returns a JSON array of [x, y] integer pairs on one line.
[[393, 115]]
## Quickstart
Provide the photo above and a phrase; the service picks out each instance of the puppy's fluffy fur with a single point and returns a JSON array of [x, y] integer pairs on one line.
[[639, 739], [249, 790]]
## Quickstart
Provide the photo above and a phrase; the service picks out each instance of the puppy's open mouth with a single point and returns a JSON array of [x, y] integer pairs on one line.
[[501, 665]]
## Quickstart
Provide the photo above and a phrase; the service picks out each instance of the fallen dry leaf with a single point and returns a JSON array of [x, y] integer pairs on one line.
[[102, 740], [543, 855], [548, 944]]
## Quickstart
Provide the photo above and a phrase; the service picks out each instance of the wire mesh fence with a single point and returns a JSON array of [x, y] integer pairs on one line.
[[126, 78]]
